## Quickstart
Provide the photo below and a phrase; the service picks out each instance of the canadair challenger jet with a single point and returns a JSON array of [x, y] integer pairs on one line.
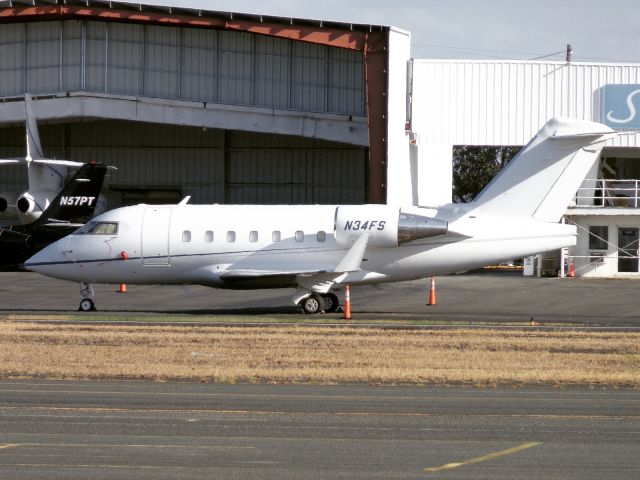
[[317, 249], [72, 208]]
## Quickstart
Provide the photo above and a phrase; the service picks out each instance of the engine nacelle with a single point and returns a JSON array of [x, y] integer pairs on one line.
[[26, 204], [386, 225], [7, 199], [31, 204]]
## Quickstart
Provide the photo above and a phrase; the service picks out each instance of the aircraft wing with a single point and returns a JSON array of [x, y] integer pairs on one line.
[[10, 237], [63, 225], [12, 161], [317, 280], [263, 278]]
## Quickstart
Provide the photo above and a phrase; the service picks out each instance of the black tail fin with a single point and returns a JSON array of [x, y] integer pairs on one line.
[[76, 202]]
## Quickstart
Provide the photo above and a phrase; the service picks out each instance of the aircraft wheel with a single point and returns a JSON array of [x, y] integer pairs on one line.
[[331, 302], [312, 304], [87, 305]]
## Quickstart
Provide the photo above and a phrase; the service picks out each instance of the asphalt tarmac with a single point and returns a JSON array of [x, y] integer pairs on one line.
[[145, 430], [494, 297]]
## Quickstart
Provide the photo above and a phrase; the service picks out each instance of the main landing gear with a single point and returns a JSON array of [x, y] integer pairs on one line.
[[87, 304], [316, 303]]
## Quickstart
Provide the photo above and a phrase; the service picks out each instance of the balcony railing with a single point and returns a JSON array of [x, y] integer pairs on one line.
[[602, 192]]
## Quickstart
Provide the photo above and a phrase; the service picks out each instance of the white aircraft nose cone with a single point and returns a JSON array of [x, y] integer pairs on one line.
[[40, 260]]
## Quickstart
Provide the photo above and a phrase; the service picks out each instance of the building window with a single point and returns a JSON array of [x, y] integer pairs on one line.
[[598, 237], [253, 236], [299, 236], [275, 236], [186, 236], [321, 236], [231, 236], [208, 236]]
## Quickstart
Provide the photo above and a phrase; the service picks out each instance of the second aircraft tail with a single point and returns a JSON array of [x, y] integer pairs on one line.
[[76, 202]]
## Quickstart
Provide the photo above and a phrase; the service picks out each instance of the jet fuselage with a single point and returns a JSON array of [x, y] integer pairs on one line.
[[259, 246]]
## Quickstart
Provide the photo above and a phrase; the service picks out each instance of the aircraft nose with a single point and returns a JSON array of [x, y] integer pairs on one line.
[[34, 263], [42, 261]]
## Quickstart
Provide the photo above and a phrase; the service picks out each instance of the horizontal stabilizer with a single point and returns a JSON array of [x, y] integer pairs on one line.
[[61, 163]]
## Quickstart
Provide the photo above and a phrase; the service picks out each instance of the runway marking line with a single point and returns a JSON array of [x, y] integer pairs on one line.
[[89, 465], [113, 445], [152, 392], [302, 412], [483, 458]]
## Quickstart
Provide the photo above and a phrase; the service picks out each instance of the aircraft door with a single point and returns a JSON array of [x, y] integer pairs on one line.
[[155, 236]]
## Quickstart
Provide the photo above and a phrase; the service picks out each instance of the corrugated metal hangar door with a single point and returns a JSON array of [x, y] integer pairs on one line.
[[163, 163]]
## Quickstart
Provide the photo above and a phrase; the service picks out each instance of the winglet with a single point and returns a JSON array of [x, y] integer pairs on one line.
[[352, 261]]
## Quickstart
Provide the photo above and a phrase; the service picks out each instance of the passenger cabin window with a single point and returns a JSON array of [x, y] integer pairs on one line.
[[231, 236], [275, 236], [321, 236], [299, 236], [98, 228], [208, 236], [186, 236], [253, 236]]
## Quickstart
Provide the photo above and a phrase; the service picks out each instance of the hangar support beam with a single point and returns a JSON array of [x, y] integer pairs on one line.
[[376, 77], [73, 105]]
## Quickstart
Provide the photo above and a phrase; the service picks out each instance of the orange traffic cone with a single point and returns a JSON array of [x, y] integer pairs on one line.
[[432, 292], [572, 270], [123, 288], [347, 304]]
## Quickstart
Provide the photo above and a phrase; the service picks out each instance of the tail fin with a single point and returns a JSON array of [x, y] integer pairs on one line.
[[76, 202], [34, 147], [541, 179]]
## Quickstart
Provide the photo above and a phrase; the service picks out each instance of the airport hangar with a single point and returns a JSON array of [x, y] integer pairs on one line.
[[225, 107], [239, 108]]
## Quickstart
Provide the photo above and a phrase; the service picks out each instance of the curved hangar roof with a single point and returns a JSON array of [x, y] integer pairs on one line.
[[354, 111]]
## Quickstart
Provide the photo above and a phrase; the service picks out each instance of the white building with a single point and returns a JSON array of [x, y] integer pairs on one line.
[[506, 103]]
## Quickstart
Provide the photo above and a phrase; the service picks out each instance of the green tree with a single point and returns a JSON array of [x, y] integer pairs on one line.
[[475, 166]]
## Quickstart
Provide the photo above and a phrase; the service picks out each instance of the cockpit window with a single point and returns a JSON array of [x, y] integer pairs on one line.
[[98, 228]]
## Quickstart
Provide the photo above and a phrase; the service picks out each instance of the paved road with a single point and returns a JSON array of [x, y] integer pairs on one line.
[[144, 430], [480, 297]]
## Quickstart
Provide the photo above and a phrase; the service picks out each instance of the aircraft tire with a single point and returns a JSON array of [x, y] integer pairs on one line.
[[87, 305], [312, 304], [331, 302]]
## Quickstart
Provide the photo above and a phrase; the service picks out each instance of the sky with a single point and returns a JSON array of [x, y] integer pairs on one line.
[[598, 30]]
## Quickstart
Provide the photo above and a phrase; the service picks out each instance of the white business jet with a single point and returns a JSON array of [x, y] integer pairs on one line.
[[46, 176], [317, 249]]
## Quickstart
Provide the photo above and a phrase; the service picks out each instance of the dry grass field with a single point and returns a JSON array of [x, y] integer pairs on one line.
[[298, 354]]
